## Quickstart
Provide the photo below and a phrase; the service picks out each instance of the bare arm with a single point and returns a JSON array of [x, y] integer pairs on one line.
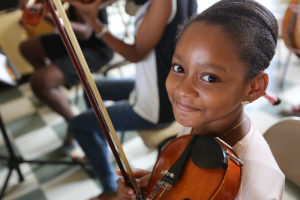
[[148, 35]]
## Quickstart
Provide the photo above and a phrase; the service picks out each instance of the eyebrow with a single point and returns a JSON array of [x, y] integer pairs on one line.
[[207, 65]]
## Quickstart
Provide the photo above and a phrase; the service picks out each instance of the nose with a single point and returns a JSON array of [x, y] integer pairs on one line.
[[187, 88]]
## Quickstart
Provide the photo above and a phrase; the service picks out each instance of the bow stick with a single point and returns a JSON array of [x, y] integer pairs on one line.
[[92, 91]]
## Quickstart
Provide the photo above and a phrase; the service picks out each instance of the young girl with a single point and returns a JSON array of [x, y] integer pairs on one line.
[[218, 67], [140, 104]]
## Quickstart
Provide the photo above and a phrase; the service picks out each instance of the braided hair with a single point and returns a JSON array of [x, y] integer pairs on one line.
[[251, 27]]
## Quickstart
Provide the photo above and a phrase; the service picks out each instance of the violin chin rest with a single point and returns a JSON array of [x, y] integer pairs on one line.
[[208, 153]]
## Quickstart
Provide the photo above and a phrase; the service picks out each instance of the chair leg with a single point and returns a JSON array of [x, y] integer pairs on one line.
[[127, 32], [76, 100], [279, 54], [285, 70], [122, 137]]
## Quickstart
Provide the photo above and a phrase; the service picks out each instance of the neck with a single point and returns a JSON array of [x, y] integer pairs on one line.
[[239, 133], [233, 135]]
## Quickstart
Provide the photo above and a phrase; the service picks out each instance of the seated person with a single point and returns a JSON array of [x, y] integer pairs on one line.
[[48, 77], [291, 110], [217, 68], [141, 104]]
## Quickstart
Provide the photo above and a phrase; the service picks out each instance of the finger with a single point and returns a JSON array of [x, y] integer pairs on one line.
[[143, 181], [123, 190], [138, 173], [125, 196], [118, 172]]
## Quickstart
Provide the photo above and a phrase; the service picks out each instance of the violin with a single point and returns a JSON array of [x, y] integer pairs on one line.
[[32, 16], [190, 167], [195, 167], [291, 28]]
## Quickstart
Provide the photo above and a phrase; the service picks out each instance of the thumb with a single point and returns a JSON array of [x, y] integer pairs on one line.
[[143, 181]]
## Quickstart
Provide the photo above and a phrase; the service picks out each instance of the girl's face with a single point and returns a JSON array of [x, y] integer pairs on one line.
[[206, 81]]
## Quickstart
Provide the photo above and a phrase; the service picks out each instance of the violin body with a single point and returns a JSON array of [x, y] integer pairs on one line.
[[33, 16], [195, 183], [291, 27]]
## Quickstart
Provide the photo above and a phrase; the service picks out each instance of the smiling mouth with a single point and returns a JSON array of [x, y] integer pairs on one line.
[[185, 108]]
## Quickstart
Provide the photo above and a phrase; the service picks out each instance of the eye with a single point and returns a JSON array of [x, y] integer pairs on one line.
[[178, 69], [210, 78]]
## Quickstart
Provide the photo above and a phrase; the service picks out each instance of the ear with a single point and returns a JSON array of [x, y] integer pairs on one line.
[[257, 87]]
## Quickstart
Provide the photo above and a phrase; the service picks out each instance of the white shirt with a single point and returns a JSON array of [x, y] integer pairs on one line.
[[145, 96]]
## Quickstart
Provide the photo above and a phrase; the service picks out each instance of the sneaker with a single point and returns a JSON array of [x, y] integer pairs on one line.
[[82, 160], [67, 148], [291, 110]]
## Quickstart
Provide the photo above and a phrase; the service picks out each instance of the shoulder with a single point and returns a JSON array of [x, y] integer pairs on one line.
[[261, 181], [262, 178], [165, 2], [254, 148], [165, 6]]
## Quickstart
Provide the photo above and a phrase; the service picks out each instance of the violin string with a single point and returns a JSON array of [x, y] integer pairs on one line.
[[154, 192], [162, 193]]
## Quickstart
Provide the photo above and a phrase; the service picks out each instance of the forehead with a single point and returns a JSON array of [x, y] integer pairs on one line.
[[205, 43]]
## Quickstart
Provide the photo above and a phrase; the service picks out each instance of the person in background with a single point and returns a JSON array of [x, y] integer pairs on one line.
[[217, 68], [291, 110], [142, 103], [59, 70]]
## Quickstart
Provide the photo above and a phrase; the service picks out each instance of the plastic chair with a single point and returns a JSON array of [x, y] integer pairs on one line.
[[158, 138], [118, 60], [11, 35], [283, 139]]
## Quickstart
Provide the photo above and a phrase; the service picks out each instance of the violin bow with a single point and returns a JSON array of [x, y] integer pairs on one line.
[[92, 91]]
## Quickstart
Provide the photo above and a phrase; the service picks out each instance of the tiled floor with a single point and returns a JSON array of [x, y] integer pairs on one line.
[[36, 132]]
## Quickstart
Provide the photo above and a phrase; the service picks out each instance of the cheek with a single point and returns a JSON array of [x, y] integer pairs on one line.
[[213, 98], [220, 102]]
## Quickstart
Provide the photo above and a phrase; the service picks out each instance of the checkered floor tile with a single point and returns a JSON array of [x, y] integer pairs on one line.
[[37, 134]]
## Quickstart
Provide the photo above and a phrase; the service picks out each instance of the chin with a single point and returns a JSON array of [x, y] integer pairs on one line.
[[184, 121]]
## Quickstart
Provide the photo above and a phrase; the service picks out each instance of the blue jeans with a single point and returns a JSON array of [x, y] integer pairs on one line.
[[88, 133]]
